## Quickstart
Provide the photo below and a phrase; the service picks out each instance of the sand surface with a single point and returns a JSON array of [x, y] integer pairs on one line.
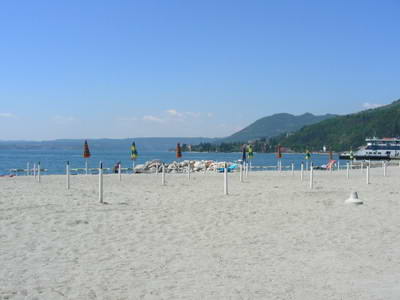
[[270, 238]]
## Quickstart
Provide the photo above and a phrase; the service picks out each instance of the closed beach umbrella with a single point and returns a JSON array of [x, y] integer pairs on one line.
[[278, 152], [86, 155], [250, 153], [134, 153], [178, 151], [308, 155], [330, 155], [86, 152]]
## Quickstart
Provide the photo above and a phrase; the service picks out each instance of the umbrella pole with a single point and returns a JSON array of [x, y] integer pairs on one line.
[[302, 171], [225, 181], [163, 175], [101, 183], [86, 166], [38, 172], [67, 173]]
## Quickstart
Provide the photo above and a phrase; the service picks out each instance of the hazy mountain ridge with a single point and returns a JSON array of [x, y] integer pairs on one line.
[[143, 143]]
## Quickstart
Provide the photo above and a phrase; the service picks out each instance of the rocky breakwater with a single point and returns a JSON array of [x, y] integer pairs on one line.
[[182, 166]]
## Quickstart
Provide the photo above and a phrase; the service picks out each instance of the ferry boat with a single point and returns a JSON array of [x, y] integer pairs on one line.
[[376, 149]]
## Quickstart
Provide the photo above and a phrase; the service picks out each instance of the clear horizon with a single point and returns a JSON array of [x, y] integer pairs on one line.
[[76, 70]]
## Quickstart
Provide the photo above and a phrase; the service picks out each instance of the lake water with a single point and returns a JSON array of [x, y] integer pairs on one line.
[[54, 160]]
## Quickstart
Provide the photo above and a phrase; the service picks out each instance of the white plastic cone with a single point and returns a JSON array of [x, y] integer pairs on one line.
[[354, 199]]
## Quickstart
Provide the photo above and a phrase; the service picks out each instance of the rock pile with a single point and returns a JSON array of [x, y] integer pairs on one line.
[[180, 167]]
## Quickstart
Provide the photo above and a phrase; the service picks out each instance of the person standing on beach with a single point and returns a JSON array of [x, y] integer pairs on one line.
[[244, 154]]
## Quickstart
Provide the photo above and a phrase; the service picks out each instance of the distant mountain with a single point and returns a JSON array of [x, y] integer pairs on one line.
[[143, 144], [343, 132], [274, 125]]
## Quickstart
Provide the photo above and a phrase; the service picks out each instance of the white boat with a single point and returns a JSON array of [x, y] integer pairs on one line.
[[376, 149]]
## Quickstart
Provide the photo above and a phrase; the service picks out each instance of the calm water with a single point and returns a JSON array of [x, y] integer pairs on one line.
[[54, 160]]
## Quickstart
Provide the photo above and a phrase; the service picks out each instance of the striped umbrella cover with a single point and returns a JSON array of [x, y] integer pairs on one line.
[[250, 152], [134, 153]]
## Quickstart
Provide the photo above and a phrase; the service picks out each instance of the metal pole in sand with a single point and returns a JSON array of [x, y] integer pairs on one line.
[[367, 175], [86, 166], [301, 171], [101, 183], [362, 167], [34, 170], [338, 164], [347, 170], [67, 174], [311, 177], [156, 168], [384, 169], [225, 180], [27, 169], [38, 172], [133, 167], [163, 175], [188, 171], [241, 173], [292, 169], [119, 172]]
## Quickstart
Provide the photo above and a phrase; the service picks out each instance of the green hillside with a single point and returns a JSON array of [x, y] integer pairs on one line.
[[345, 132], [273, 126]]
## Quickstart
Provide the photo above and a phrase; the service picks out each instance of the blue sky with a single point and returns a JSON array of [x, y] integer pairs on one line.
[[87, 69]]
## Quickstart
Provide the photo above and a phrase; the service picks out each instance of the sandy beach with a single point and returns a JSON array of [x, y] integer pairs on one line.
[[270, 238]]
